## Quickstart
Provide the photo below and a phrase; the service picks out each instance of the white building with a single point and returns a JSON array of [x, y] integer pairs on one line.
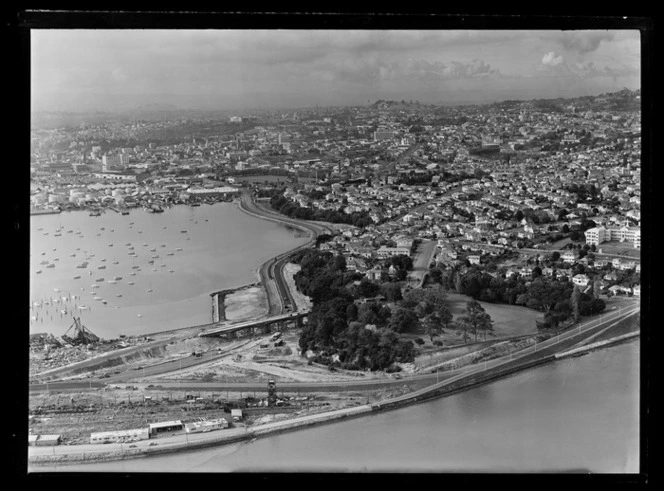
[[581, 280], [384, 252], [597, 235]]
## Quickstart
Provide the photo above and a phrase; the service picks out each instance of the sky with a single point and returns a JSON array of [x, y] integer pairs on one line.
[[119, 69]]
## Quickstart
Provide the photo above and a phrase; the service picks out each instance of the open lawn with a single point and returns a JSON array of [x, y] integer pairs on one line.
[[508, 320], [625, 249]]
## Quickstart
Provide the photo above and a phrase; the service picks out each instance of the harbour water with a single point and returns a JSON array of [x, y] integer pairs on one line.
[[573, 415], [143, 272]]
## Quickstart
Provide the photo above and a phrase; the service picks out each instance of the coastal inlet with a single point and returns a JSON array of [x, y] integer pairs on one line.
[[144, 272]]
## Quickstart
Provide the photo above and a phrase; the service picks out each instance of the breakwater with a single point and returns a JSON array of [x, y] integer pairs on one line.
[[598, 344]]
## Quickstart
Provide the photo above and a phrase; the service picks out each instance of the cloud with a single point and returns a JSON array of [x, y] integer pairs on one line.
[[371, 70], [551, 59], [585, 41]]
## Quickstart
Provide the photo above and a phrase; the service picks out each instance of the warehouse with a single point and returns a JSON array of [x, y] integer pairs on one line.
[[44, 440], [119, 436], [205, 426], [165, 427]]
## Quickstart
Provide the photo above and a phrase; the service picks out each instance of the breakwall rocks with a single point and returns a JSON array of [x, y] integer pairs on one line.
[[598, 344]]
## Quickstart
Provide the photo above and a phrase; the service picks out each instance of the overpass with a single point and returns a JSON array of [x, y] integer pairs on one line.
[[262, 326]]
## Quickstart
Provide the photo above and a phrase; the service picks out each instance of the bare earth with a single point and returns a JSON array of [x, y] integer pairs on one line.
[[245, 304]]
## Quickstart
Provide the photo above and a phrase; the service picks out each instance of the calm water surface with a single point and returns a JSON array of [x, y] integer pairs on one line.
[[198, 250], [577, 414]]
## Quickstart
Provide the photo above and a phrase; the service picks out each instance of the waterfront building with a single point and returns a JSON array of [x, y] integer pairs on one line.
[[119, 435]]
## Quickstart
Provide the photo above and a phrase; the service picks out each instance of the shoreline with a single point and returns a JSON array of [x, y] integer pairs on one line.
[[443, 389]]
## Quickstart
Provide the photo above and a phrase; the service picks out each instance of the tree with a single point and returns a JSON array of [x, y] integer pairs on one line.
[[473, 287], [368, 288], [597, 286], [404, 320], [391, 291], [431, 326], [366, 314], [445, 317], [575, 300], [477, 319], [351, 312], [339, 263]]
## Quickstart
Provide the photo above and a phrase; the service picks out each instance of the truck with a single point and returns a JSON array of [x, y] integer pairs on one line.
[[236, 414]]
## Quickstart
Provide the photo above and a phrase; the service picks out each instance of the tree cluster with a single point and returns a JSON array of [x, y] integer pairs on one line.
[[286, 207], [336, 324]]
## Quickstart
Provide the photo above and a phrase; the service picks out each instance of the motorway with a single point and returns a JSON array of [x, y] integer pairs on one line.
[[445, 383], [563, 341]]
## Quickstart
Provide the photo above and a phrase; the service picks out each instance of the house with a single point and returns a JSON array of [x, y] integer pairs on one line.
[[616, 289], [581, 280], [355, 264], [570, 257], [474, 259], [636, 290], [236, 414]]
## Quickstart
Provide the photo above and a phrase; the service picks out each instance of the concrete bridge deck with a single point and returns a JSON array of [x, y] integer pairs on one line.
[[296, 317]]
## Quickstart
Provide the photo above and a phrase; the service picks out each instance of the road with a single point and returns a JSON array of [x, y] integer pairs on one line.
[[271, 272], [564, 341], [444, 383], [423, 256]]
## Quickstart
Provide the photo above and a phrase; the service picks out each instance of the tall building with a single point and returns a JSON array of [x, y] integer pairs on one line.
[[114, 162], [598, 235]]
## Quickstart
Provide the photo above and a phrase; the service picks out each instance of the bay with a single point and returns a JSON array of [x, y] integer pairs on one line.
[[198, 250]]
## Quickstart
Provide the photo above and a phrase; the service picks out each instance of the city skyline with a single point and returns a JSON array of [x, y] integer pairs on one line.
[[108, 70]]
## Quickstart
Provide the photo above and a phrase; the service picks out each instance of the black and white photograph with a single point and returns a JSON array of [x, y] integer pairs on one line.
[[343, 248]]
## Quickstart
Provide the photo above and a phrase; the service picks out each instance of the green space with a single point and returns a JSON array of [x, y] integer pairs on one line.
[[508, 320], [620, 248]]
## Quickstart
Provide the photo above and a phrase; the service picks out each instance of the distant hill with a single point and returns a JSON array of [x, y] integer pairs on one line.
[[152, 108], [622, 100], [403, 104]]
